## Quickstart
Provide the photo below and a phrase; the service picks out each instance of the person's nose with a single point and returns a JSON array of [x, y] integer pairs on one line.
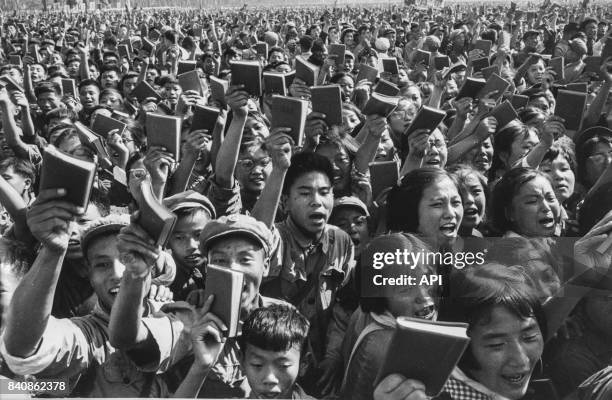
[[117, 271], [270, 378], [193, 243], [518, 357]]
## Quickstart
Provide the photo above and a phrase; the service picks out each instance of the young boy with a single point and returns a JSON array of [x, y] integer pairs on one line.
[[271, 345], [351, 215], [238, 242], [193, 212]]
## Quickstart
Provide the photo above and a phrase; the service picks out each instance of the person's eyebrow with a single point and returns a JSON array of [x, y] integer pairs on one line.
[[494, 335]]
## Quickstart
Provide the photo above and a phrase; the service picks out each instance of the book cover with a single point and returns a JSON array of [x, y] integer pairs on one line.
[[10, 84], [226, 285], [328, 100], [390, 65], [143, 91], [383, 175], [423, 57], [15, 60], [123, 50], [503, 113], [519, 101], [581, 87], [367, 72], [480, 63], [186, 66], [247, 73], [274, 83], [337, 50], [289, 112], [488, 71], [147, 45], [204, 117], [470, 88], [427, 118], [592, 64], [387, 88], [484, 45], [380, 104], [69, 88], [93, 141], [570, 106], [164, 131], [557, 65], [190, 80], [154, 217], [306, 72], [441, 62], [60, 170], [435, 348], [262, 50], [102, 125], [495, 84], [218, 88]]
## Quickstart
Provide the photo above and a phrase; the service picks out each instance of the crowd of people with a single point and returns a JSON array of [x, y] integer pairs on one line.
[[91, 301]]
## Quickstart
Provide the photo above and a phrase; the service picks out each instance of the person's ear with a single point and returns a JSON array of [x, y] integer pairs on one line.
[[27, 185], [266, 267]]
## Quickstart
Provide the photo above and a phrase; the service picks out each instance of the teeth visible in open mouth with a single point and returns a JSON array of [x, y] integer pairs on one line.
[[114, 291], [514, 378], [471, 211]]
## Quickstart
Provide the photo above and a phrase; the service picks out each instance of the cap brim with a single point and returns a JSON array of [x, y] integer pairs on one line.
[[86, 240], [214, 238]]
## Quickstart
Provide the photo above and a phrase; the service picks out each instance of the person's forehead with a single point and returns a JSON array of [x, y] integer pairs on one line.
[[269, 355], [311, 179], [103, 246]]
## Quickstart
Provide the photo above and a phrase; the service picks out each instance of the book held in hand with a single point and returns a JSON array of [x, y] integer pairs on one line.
[[218, 88], [380, 104], [186, 66], [488, 71], [69, 88], [274, 83], [470, 88], [384, 175], [570, 106], [441, 62], [289, 112], [339, 51], [519, 101], [328, 100], [390, 65], [204, 117], [226, 285], [422, 57], [557, 64], [154, 217], [504, 113], [190, 81], [102, 125], [93, 141], [306, 72], [164, 131], [495, 85], [61, 170], [427, 118], [480, 63], [387, 88], [143, 91], [247, 73], [366, 72], [433, 349]]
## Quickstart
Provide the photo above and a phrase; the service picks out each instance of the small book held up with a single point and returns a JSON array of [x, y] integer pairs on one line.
[[435, 348], [328, 100], [164, 131], [427, 118], [226, 285], [379, 104], [247, 73], [61, 170], [154, 218], [289, 112]]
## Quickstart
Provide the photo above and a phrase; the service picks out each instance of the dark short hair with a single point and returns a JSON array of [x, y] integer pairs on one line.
[[88, 82], [21, 167], [585, 149], [503, 143], [304, 163], [403, 200], [563, 147], [47, 87], [274, 328], [474, 292]]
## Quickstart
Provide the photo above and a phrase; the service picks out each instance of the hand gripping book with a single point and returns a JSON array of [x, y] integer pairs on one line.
[[289, 112], [390, 65], [470, 88], [441, 62], [379, 104], [262, 50], [102, 125], [494, 84], [570, 106], [226, 285], [164, 131], [60, 170], [384, 174], [427, 118], [204, 117], [488, 71], [426, 351], [218, 88], [480, 63], [557, 64], [387, 88], [247, 73], [484, 45], [503, 113], [306, 71], [190, 80], [328, 100], [519, 101], [423, 57], [91, 140], [154, 218]]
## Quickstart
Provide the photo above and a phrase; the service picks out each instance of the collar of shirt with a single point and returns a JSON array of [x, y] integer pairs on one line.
[[305, 242]]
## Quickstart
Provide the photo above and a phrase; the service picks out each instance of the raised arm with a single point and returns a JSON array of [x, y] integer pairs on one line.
[[550, 130], [197, 141], [485, 128], [279, 147], [230, 149], [11, 131], [594, 112], [49, 219], [375, 125]]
